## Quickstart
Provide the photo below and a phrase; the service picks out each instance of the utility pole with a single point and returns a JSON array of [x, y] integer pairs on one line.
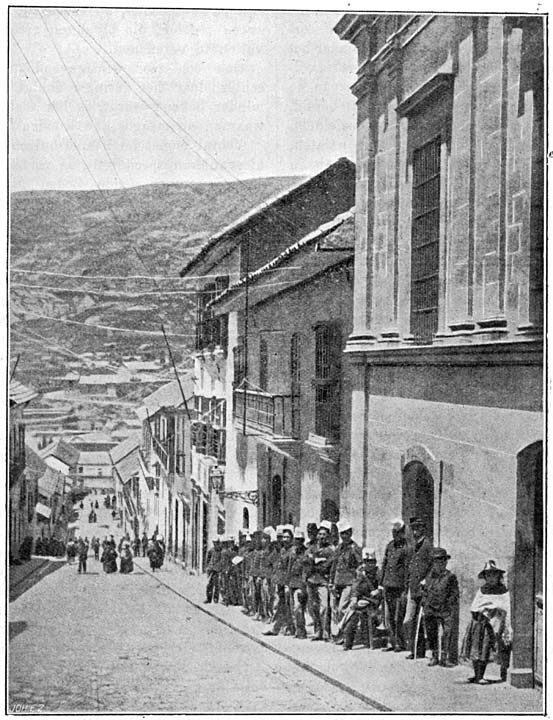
[[246, 322], [176, 373]]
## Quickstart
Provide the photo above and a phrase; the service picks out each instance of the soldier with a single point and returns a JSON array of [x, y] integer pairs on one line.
[[265, 572], [394, 581], [246, 551], [213, 570], [282, 616], [297, 591], [235, 575], [225, 570], [347, 559], [364, 601], [440, 601], [317, 576], [419, 566]]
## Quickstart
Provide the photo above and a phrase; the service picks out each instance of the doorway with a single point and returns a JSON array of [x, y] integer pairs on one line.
[[527, 583], [276, 500], [417, 491]]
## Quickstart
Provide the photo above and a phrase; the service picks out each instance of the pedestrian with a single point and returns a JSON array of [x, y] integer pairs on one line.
[[320, 559], [96, 506], [96, 547], [281, 615], [109, 558], [144, 543], [213, 571], [81, 506], [136, 546], [92, 506], [347, 559], [38, 546], [155, 555], [364, 602], [71, 551], [420, 562], [489, 630], [113, 500], [440, 603], [235, 574], [297, 590], [82, 552], [395, 566], [126, 563]]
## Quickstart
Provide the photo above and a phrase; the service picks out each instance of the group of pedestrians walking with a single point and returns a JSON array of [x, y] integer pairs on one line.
[[411, 603]]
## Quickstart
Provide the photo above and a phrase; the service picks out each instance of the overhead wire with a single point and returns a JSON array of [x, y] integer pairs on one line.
[[138, 331], [139, 277], [70, 19]]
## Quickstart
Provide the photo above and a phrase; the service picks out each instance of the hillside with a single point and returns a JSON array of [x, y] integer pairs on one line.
[[146, 230]]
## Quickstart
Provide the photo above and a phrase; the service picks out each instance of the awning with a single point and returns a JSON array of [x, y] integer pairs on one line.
[[43, 510]]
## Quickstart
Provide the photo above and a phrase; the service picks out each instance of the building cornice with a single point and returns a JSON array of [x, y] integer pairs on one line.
[[521, 352]]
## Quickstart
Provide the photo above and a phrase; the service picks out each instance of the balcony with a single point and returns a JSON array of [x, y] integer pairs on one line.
[[276, 416]]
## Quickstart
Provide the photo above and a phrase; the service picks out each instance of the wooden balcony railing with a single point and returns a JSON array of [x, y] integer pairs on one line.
[[275, 415]]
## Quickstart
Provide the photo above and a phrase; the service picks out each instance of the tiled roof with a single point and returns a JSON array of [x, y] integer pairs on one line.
[[168, 396], [51, 482], [126, 447], [98, 438], [100, 457], [20, 393], [129, 465], [245, 219], [61, 450], [339, 231]]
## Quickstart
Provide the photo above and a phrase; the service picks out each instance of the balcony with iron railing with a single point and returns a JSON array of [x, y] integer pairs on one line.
[[276, 416]]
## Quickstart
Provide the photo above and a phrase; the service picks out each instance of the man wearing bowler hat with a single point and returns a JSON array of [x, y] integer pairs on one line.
[[419, 567], [440, 601]]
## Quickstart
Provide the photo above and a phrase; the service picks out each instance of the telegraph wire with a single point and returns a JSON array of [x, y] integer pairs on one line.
[[152, 100], [138, 277], [155, 333], [69, 135], [120, 294]]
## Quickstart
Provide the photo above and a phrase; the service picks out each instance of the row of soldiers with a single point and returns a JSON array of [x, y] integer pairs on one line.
[[278, 575]]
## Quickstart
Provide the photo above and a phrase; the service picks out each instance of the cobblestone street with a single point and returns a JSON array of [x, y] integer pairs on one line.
[[123, 643]]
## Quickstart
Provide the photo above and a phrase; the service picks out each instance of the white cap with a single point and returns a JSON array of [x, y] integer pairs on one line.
[[279, 529], [368, 553], [268, 530], [343, 525], [298, 533], [247, 537], [397, 524], [272, 535], [288, 528], [326, 524]]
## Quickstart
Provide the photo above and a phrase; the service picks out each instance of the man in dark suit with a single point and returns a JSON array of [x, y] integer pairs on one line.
[[419, 566]]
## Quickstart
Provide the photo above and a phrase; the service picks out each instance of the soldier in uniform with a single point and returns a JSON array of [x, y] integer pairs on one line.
[[265, 572], [394, 580], [320, 559], [246, 551], [440, 602], [347, 559], [364, 601], [420, 562], [296, 583], [213, 571], [282, 617]]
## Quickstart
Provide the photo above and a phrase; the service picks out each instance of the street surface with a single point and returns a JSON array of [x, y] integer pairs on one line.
[[124, 643], [145, 643]]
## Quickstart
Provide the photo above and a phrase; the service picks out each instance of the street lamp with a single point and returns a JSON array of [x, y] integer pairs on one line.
[[216, 478]]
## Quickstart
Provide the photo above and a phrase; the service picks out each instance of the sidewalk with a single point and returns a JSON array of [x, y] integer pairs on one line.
[[386, 678]]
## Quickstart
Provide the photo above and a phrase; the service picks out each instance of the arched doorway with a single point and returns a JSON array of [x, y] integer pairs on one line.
[[245, 519], [417, 493], [527, 584]]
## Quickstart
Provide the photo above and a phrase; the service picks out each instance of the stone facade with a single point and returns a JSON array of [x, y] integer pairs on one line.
[[447, 338]]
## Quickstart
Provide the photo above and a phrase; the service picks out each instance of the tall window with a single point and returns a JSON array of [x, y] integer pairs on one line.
[[239, 363], [211, 329], [327, 380], [263, 363], [425, 241]]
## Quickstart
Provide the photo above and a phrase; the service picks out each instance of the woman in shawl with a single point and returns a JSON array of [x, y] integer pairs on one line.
[[489, 630], [155, 554], [126, 564], [108, 558]]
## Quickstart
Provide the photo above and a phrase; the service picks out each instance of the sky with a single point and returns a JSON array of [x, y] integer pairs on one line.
[[255, 94]]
